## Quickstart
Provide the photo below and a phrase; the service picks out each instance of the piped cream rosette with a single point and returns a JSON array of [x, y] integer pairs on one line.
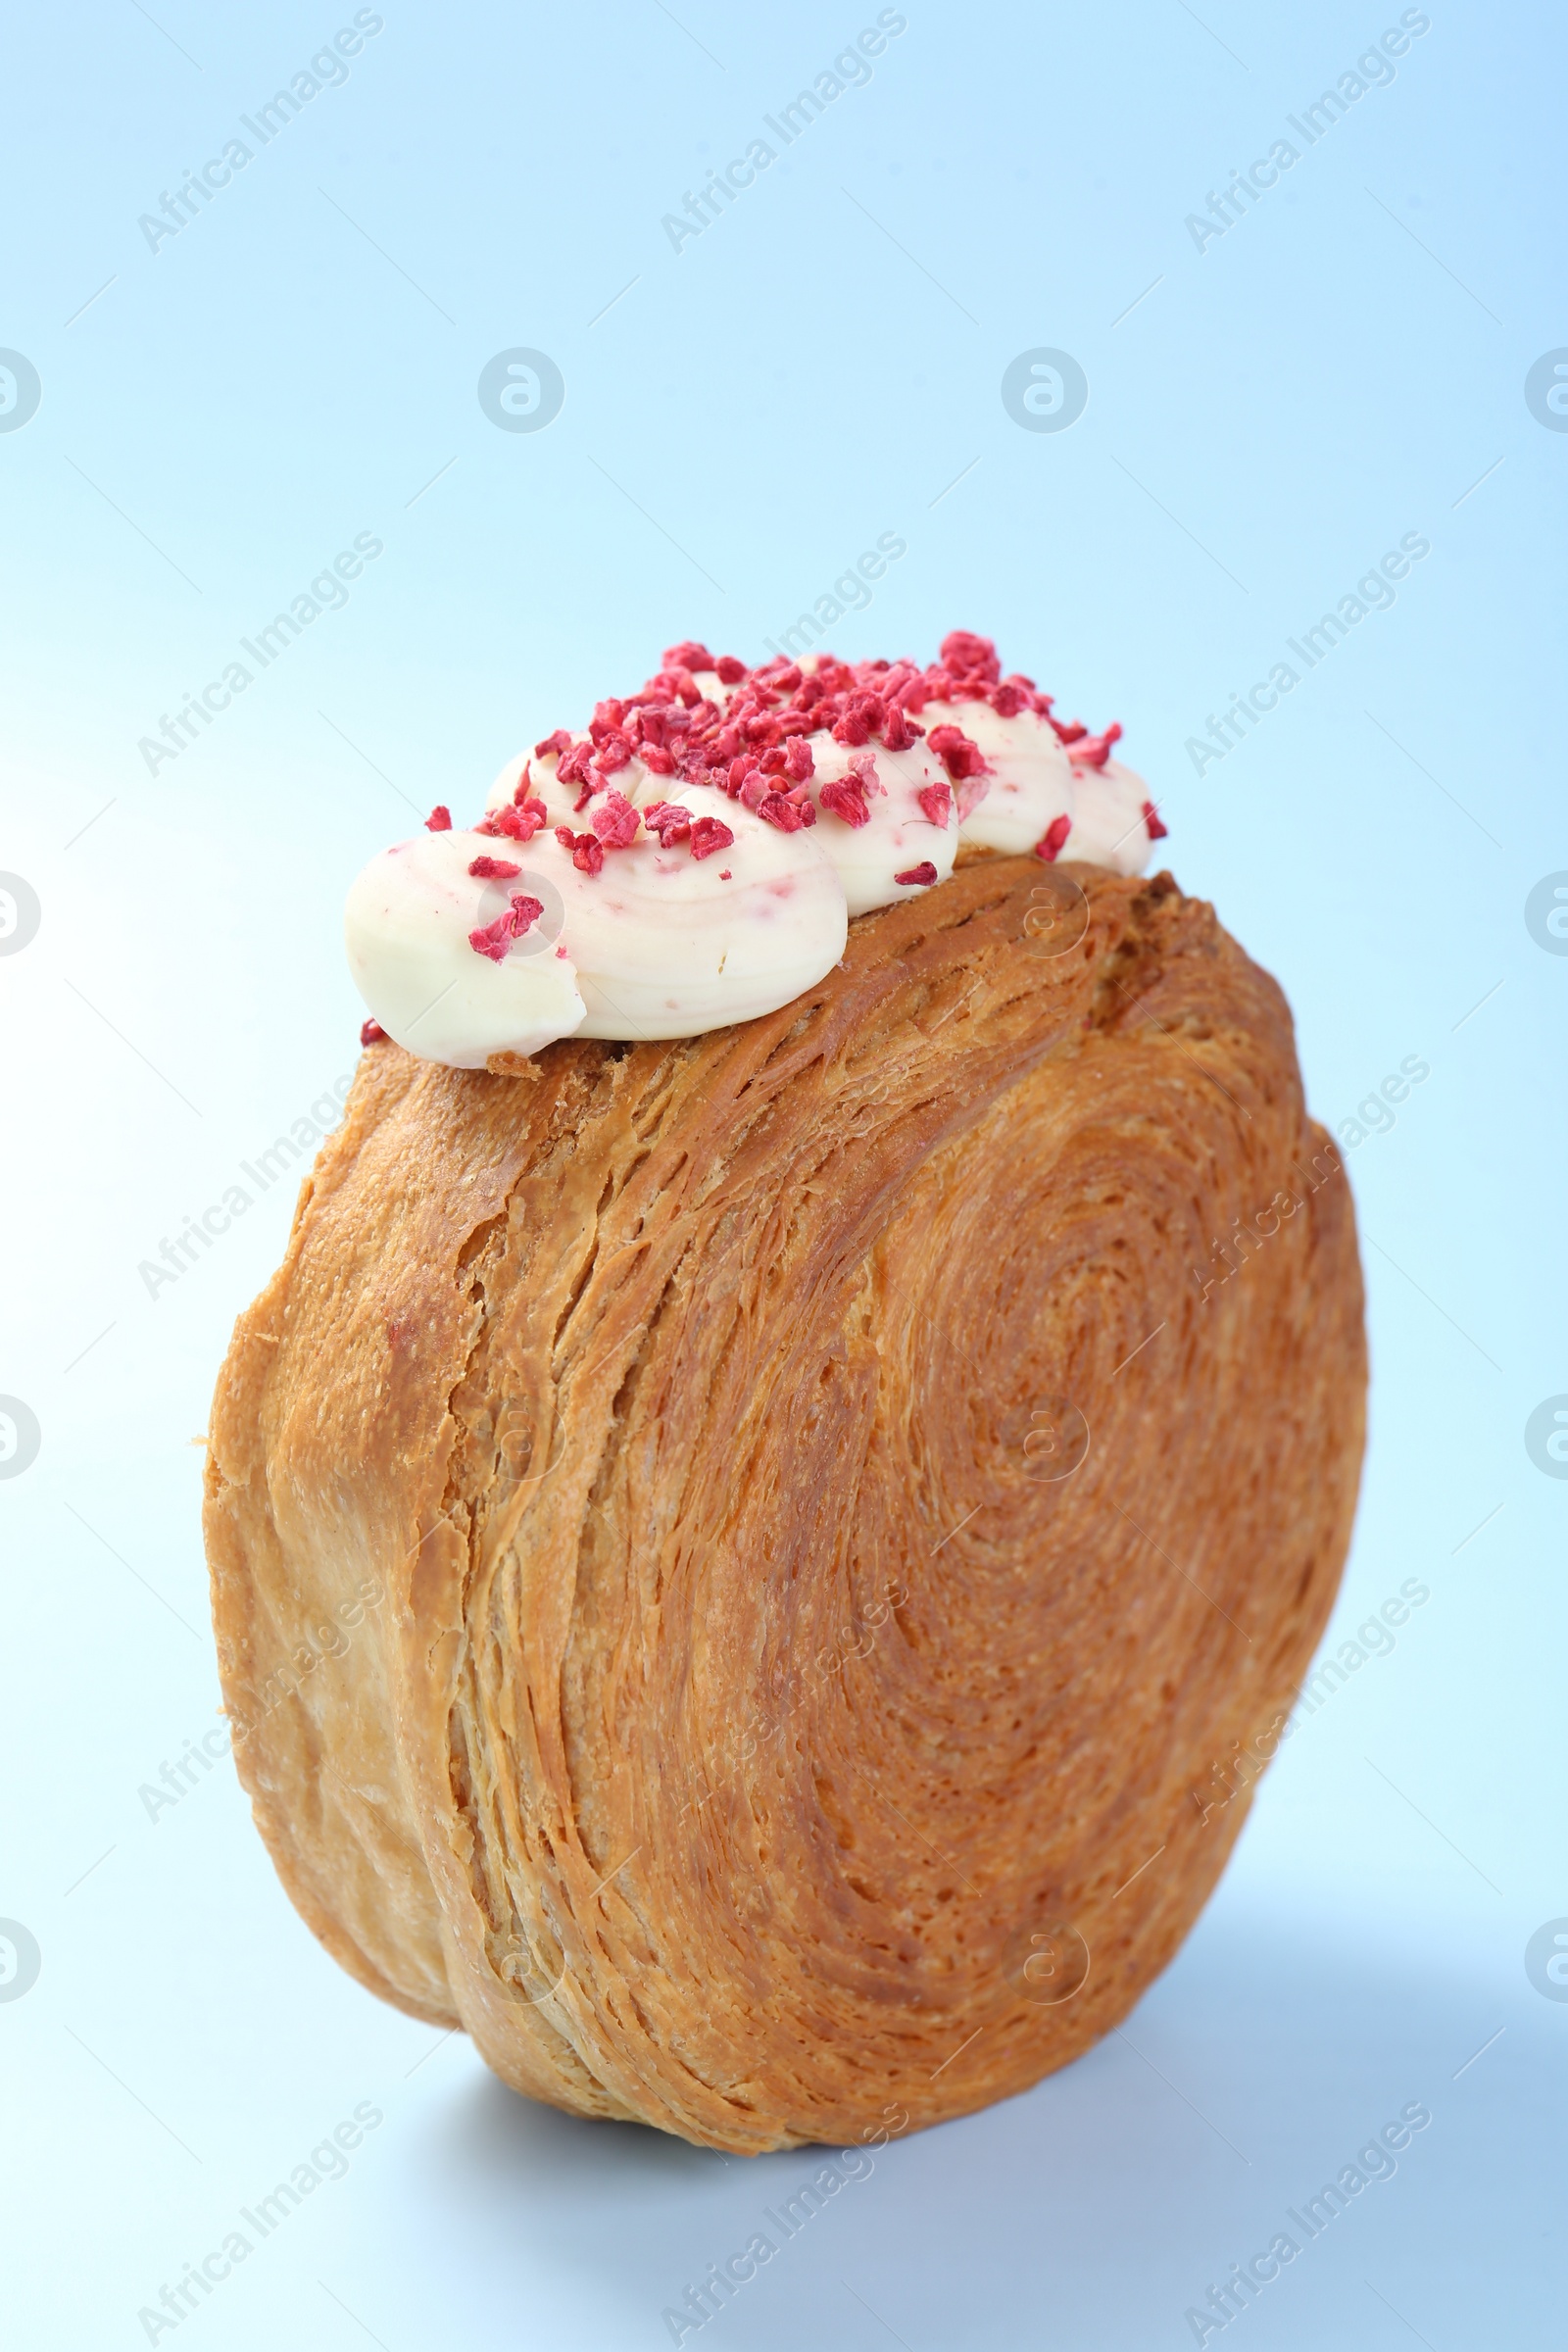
[[881, 815], [1034, 782], [674, 934], [607, 896]]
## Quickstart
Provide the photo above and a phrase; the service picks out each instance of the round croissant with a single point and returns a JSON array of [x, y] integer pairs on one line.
[[754, 1573]]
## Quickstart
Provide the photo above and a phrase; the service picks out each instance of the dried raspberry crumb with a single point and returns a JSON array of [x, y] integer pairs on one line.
[[372, 1033], [1158, 828], [844, 796], [730, 671], [1093, 751], [496, 938], [618, 822], [574, 763], [439, 819], [724, 874], [1050, 844], [958, 754], [917, 877], [493, 869], [897, 732], [493, 940], [799, 764], [531, 817], [970, 658], [710, 833], [559, 742], [936, 803], [669, 820], [587, 849], [690, 656], [788, 816]]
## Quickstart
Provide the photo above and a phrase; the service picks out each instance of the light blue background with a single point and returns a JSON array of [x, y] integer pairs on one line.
[[1345, 366]]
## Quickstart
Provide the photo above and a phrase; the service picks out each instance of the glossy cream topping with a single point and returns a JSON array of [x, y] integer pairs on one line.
[[693, 859]]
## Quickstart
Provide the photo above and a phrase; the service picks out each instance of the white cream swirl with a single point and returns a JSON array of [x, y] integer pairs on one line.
[[668, 908], [906, 842], [1035, 783], [665, 939]]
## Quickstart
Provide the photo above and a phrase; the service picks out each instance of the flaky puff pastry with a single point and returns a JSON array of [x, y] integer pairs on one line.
[[740, 1566]]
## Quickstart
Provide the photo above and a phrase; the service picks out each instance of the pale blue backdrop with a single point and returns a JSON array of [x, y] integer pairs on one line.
[[1273, 403]]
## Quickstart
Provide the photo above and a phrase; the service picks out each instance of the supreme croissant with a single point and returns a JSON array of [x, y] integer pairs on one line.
[[806, 1486]]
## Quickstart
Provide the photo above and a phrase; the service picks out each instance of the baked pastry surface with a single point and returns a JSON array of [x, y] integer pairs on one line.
[[740, 1564]]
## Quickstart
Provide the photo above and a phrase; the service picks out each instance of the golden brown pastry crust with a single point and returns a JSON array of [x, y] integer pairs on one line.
[[742, 1729]]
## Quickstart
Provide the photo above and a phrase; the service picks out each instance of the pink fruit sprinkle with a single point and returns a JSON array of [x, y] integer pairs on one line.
[[917, 877], [494, 940], [708, 833], [959, 755], [799, 764], [1093, 751], [493, 869], [1050, 845], [669, 821], [936, 803], [559, 742], [689, 655], [439, 819], [372, 1033], [587, 849], [788, 816], [1158, 828], [969, 657], [844, 796], [618, 822]]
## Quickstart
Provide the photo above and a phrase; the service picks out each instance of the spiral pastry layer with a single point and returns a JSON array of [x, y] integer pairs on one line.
[[741, 1563]]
